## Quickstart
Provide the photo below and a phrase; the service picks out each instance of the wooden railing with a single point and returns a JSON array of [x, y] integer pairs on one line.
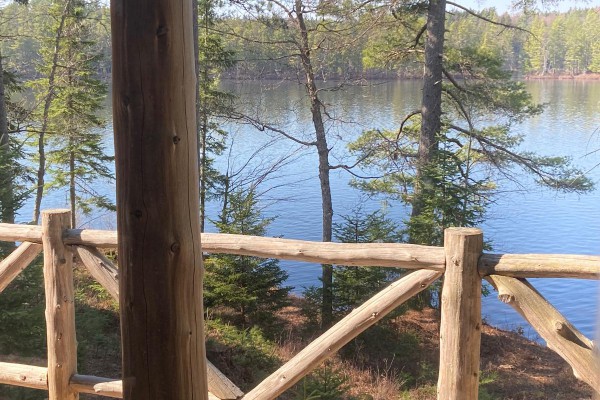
[[461, 261]]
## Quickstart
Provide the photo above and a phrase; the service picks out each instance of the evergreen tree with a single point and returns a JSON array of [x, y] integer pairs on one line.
[[352, 286], [14, 176], [12, 172], [213, 58], [72, 96], [252, 286], [444, 158]]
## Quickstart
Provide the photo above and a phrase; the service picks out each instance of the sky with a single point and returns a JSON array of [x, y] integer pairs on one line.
[[506, 5]]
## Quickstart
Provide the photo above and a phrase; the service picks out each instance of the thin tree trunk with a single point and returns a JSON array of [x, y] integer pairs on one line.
[[8, 210], [72, 186], [225, 205], [431, 106], [324, 167], [47, 103], [72, 192], [199, 119]]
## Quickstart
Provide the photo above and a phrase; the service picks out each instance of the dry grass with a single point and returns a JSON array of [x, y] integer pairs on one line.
[[513, 367]]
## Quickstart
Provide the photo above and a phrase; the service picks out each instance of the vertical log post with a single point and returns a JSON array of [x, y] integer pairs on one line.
[[60, 305], [460, 330], [160, 259]]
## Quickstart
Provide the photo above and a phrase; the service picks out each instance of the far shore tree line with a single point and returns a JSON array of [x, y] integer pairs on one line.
[[441, 160]]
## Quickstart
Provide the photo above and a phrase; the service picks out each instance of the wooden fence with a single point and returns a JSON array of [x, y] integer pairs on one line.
[[461, 261]]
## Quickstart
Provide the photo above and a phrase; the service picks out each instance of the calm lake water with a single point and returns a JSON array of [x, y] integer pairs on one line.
[[524, 219]]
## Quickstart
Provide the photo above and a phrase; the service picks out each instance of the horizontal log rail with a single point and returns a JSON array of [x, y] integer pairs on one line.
[[540, 266], [34, 377], [352, 254]]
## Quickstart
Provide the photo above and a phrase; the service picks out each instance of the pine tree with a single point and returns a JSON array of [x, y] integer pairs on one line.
[[354, 285], [536, 48], [72, 96], [213, 58], [252, 286], [14, 175], [445, 163]]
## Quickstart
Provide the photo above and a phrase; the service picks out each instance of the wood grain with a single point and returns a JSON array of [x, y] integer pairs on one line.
[[160, 257], [60, 305], [460, 327]]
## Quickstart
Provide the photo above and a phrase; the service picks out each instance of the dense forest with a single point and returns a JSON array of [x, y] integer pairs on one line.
[[529, 43], [442, 161]]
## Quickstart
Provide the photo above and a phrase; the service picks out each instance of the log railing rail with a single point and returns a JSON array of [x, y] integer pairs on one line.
[[461, 261]]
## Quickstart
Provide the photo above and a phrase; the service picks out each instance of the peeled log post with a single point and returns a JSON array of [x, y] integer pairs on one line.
[[460, 328], [60, 305], [160, 258], [341, 333], [559, 334], [16, 262]]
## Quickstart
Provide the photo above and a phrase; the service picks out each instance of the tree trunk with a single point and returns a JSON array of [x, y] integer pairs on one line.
[[199, 120], [160, 258], [8, 210], [323, 152], [431, 106], [47, 103], [72, 192]]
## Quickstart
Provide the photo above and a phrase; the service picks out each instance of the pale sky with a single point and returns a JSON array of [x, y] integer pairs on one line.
[[505, 5]]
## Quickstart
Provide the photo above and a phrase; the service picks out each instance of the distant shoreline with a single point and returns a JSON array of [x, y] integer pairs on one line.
[[407, 77], [559, 77]]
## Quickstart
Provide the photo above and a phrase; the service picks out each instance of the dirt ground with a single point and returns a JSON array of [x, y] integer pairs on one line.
[[522, 369]]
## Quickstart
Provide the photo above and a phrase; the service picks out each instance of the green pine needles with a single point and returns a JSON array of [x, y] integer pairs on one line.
[[70, 98]]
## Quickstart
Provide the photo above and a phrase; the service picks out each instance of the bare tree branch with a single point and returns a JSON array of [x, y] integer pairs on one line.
[[266, 127], [405, 120], [481, 17]]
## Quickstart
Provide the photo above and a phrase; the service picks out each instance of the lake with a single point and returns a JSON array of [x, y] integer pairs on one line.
[[524, 219]]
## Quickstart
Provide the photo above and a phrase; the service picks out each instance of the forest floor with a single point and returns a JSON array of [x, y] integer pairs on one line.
[[396, 359], [399, 358]]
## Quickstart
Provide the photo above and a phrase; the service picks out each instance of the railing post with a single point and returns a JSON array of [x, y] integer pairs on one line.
[[60, 305], [460, 330]]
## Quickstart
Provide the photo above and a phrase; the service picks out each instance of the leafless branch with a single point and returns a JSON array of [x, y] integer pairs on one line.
[[405, 120], [266, 127], [481, 17]]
